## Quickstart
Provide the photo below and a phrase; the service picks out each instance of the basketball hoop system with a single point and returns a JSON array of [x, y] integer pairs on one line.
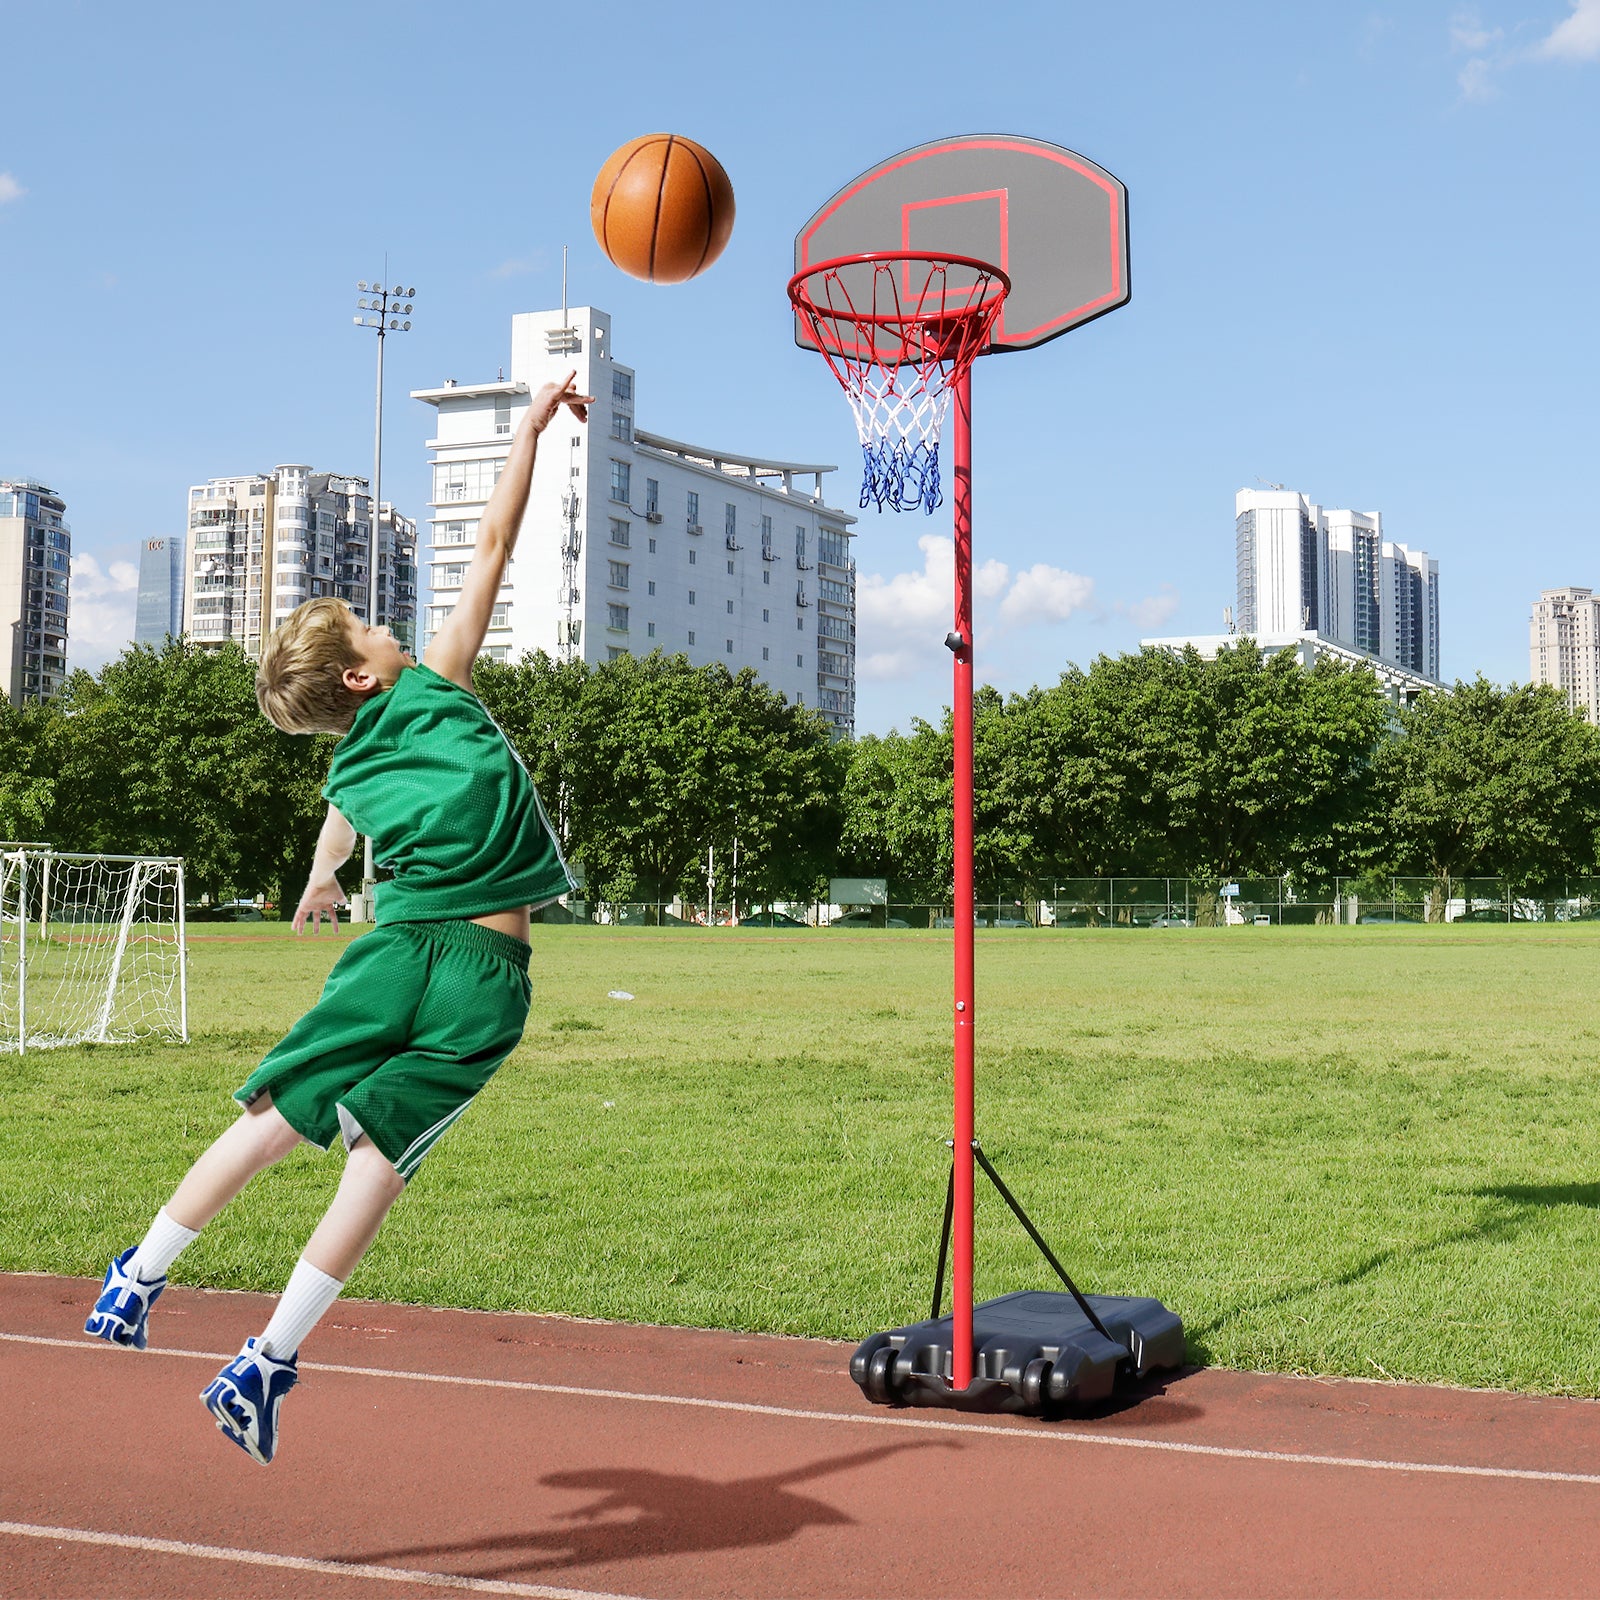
[[900, 331]]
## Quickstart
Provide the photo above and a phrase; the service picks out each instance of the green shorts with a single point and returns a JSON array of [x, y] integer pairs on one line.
[[412, 1023]]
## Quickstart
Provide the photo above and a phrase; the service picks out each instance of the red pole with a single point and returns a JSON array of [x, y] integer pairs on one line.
[[961, 718]]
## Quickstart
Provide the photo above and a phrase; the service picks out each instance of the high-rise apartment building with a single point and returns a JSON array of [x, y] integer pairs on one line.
[[633, 541], [1564, 646], [160, 609], [261, 544], [35, 577], [1303, 569]]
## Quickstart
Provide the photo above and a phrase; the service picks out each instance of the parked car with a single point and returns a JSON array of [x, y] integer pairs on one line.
[[1172, 922], [867, 919], [771, 919], [231, 911]]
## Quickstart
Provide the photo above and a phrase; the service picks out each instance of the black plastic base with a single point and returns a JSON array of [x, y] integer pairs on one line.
[[1033, 1352]]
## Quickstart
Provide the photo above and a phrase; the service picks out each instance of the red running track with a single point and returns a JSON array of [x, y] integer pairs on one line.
[[428, 1451]]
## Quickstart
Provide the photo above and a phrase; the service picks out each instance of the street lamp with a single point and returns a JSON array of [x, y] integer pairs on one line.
[[388, 310]]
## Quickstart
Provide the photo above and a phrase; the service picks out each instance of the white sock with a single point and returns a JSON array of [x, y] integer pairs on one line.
[[310, 1292], [161, 1247]]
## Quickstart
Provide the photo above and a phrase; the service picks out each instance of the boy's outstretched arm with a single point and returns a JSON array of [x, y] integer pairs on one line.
[[456, 645], [323, 893]]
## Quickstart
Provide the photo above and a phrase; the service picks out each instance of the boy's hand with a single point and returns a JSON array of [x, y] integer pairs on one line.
[[321, 897], [550, 399]]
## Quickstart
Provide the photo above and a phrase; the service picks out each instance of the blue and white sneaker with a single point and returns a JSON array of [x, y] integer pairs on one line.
[[244, 1398], [120, 1314]]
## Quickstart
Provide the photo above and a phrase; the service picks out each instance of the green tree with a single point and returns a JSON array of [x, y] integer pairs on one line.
[[1494, 780], [166, 753], [1247, 764], [655, 761], [30, 740]]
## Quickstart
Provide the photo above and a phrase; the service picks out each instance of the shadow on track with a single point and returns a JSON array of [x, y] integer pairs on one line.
[[638, 1513]]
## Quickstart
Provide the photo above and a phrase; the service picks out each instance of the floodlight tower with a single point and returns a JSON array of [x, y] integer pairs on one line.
[[389, 311]]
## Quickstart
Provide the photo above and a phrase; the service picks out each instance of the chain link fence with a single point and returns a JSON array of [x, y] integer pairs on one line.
[[1112, 903]]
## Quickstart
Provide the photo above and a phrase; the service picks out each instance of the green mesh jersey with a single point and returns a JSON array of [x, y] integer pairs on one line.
[[425, 771]]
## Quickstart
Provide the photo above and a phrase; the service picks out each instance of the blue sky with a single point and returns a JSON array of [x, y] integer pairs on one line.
[[1363, 248]]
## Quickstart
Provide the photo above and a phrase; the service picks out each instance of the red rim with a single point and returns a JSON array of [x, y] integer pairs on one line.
[[803, 301]]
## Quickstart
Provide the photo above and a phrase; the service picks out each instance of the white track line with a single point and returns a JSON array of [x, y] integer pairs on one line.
[[336, 1569], [880, 1420]]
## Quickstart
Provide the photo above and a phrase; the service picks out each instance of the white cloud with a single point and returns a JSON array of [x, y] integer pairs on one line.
[[10, 189], [1153, 611], [519, 266], [1044, 593], [1576, 39], [1475, 81], [1468, 33], [104, 601]]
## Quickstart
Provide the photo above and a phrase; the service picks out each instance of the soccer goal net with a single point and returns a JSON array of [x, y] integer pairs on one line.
[[92, 949]]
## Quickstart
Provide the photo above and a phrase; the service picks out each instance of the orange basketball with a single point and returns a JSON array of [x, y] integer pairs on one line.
[[662, 208]]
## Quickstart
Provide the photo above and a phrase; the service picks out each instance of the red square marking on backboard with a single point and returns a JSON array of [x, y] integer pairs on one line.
[[995, 247]]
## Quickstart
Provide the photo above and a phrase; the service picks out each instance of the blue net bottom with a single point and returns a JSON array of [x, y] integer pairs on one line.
[[900, 476]]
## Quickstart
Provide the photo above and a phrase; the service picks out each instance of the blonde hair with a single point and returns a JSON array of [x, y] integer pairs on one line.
[[300, 681]]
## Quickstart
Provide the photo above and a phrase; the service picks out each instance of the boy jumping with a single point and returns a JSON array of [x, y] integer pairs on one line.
[[417, 1015]]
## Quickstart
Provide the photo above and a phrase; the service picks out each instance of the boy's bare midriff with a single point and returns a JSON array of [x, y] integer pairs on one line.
[[513, 922]]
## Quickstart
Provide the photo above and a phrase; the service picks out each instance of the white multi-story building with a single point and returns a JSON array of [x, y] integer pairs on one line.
[[1303, 569], [633, 541], [1564, 646], [35, 576], [261, 544]]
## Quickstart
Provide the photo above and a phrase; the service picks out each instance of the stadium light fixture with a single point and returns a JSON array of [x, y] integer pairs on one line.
[[384, 302]]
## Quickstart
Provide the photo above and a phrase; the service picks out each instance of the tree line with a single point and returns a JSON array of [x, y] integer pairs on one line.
[[1154, 764]]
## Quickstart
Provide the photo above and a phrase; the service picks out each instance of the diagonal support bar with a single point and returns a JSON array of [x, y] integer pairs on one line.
[[1026, 1221]]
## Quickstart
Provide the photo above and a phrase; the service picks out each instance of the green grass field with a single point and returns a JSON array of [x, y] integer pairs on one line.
[[1367, 1151]]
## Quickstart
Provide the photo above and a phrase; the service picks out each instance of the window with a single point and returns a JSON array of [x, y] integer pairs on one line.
[[455, 532], [652, 497], [729, 650], [650, 628], [766, 530], [799, 623], [622, 426], [766, 577], [833, 547], [730, 608], [449, 575], [617, 617], [799, 545], [834, 591], [502, 415], [691, 636], [615, 652], [454, 480], [766, 615], [799, 661], [730, 519], [621, 385], [691, 558], [694, 509], [652, 547], [766, 654], [650, 587], [620, 530], [619, 481], [730, 569], [618, 578], [691, 597]]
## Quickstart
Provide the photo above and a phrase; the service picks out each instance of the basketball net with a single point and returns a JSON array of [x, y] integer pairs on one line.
[[898, 331]]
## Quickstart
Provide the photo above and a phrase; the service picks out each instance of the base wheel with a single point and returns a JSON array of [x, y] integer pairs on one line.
[[880, 1377], [1036, 1384]]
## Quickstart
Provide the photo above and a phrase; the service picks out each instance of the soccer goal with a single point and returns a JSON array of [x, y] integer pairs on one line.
[[92, 949]]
